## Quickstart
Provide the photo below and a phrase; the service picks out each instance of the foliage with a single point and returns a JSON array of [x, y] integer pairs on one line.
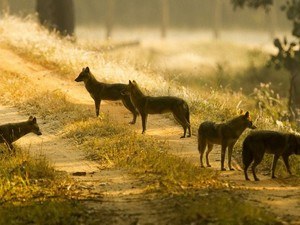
[[252, 3], [269, 102]]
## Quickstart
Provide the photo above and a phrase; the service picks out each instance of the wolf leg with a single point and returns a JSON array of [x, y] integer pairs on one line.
[[286, 163], [201, 148], [144, 122], [223, 151], [254, 165], [230, 148], [247, 160], [179, 117], [257, 160], [128, 104], [209, 149], [97, 106], [275, 159]]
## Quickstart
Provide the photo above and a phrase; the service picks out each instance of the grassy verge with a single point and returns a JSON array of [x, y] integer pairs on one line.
[[32, 192]]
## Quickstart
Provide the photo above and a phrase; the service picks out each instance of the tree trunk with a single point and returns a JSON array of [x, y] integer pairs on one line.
[[217, 18], [57, 15], [4, 6], [110, 18], [164, 18], [294, 96]]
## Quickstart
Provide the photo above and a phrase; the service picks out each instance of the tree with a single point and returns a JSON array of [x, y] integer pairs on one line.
[[164, 17], [288, 55], [57, 15]]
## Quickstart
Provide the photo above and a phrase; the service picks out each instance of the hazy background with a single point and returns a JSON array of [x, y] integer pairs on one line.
[[183, 14]]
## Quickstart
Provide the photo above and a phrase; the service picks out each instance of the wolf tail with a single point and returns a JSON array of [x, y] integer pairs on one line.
[[201, 140], [187, 113], [247, 154]]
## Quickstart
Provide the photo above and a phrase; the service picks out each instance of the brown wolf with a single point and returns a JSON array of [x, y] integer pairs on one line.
[[257, 143], [103, 91], [158, 105], [224, 134], [11, 132]]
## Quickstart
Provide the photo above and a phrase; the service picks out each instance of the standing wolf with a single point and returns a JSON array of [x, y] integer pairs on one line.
[[257, 143], [158, 105], [224, 134], [103, 91], [11, 132]]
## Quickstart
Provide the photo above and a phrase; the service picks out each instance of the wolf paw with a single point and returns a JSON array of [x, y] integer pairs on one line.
[[208, 165], [223, 169]]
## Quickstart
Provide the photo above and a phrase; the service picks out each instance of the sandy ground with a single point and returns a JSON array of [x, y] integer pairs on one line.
[[118, 190]]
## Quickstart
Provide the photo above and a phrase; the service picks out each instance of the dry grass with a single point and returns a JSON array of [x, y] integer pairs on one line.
[[115, 145], [140, 155]]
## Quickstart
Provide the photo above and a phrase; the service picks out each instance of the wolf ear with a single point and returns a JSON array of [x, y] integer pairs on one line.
[[129, 82], [32, 119], [87, 69], [247, 115]]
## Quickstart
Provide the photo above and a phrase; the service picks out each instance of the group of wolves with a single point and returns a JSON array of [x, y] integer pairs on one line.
[[226, 134], [255, 145]]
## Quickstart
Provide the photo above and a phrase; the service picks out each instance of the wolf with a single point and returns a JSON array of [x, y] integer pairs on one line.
[[158, 105], [102, 91], [224, 134], [11, 132], [257, 143]]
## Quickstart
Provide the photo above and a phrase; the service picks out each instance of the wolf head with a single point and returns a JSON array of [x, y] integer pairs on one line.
[[34, 127], [84, 75], [247, 121], [131, 85]]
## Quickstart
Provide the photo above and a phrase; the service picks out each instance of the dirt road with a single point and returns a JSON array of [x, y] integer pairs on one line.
[[118, 189]]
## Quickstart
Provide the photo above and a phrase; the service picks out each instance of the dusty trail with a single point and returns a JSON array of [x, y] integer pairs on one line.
[[279, 196]]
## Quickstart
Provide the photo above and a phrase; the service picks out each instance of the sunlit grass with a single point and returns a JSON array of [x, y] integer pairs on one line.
[[115, 145], [106, 142]]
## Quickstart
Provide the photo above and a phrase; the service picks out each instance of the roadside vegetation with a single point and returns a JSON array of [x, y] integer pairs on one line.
[[114, 145], [31, 191]]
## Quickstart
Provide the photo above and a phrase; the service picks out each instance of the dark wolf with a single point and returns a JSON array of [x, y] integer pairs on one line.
[[158, 105], [224, 134], [102, 91], [11, 132], [257, 143]]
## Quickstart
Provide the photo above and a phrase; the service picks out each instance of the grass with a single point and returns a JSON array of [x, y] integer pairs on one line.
[[114, 145], [32, 192], [46, 212]]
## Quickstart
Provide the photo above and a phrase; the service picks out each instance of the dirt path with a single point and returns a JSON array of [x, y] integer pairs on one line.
[[116, 186]]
